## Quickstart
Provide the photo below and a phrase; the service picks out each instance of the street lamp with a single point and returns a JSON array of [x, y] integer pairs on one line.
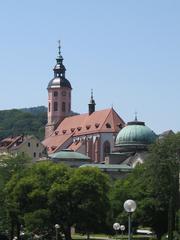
[[122, 227], [116, 227], [130, 207], [56, 228]]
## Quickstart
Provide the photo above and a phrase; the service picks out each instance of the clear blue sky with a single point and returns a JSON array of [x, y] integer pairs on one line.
[[128, 51]]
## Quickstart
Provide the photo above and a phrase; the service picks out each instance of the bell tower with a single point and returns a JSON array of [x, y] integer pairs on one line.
[[59, 96]]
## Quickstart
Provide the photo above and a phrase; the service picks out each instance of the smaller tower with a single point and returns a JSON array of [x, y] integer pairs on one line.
[[59, 96], [91, 104]]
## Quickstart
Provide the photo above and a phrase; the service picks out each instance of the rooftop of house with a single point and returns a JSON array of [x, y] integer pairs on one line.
[[14, 142], [9, 142]]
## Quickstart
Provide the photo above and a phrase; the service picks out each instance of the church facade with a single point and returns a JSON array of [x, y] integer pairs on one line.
[[92, 133]]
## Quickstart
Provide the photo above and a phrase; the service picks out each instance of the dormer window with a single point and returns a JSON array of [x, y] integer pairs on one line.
[[79, 128], [108, 125], [97, 125], [72, 129], [88, 127], [53, 148], [56, 132], [120, 126], [64, 131]]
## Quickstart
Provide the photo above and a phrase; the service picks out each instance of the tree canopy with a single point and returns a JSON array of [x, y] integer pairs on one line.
[[47, 194], [38, 196], [29, 121], [155, 187]]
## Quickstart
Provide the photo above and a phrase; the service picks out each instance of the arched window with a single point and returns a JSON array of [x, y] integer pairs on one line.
[[106, 149], [55, 93], [55, 106], [63, 106]]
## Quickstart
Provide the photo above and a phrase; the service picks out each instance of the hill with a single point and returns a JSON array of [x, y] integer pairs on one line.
[[23, 121]]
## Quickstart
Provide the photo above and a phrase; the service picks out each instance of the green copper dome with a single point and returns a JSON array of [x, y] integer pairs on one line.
[[135, 134]]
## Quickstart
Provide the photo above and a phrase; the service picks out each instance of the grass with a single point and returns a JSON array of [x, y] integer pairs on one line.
[[114, 237]]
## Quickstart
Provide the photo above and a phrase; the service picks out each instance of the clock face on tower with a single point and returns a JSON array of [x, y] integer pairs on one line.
[[63, 93]]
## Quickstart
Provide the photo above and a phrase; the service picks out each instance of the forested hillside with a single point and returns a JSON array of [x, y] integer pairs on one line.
[[23, 121]]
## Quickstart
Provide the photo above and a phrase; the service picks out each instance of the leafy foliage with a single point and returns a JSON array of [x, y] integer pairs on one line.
[[90, 189], [23, 121], [49, 193], [154, 186], [41, 195], [10, 166]]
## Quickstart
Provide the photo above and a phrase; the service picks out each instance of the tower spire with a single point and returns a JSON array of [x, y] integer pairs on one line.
[[59, 57], [59, 69], [91, 104], [91, 94], [59, 48]]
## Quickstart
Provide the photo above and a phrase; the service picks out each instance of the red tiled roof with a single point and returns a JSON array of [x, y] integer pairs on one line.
[[10, 141], [98, 122], [75, 146], [55, 141], [87, 124]]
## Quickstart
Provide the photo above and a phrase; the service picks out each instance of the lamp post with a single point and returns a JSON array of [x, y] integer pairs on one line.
[[122, 227], [116, 227], [130, 207], [56, 229]]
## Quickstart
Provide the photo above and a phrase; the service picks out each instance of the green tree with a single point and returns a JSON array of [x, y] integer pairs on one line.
[[89, 188], [9, 166], [155, 187], [27, 197], [163, 166]]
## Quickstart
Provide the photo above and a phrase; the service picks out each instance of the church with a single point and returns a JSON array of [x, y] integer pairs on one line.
[[102, 135], [92, 134]]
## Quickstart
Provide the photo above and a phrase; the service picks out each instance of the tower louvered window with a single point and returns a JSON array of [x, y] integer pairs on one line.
[[55, 106]]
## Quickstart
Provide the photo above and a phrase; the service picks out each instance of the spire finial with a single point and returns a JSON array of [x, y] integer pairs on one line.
[[59, 48], [91, 94], [135, 113]]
